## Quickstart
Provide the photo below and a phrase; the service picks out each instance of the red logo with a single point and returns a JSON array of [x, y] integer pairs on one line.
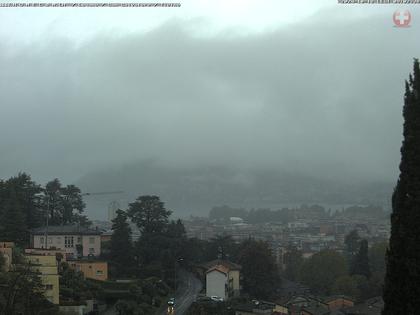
[[402, 18]]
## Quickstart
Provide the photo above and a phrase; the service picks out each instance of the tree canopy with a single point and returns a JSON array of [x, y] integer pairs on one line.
[[322, 270], [259, 269], [121, 247], [402, 290], [24, 205], [149, 214], [360, 263], [21, 292]]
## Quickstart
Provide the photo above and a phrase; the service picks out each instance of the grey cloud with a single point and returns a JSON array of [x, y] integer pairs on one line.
[[317, 99]]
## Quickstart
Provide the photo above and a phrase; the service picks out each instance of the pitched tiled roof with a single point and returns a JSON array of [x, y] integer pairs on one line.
[[220, 268], [228, 264], [65, 229]]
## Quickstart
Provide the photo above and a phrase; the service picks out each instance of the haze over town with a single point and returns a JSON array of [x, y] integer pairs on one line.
[[210, 157], [202, 98]]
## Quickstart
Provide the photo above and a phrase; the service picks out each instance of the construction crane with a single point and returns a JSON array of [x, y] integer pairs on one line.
[[84, 194], [103, 193], [112, 207]]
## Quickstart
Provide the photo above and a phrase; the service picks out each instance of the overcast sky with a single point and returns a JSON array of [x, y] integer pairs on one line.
[[257, 84]]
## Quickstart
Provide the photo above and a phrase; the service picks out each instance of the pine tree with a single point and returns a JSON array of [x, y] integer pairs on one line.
[[121, 249], [28, 195], [402, 289], [65, 204], [12, 221], [360, 263]]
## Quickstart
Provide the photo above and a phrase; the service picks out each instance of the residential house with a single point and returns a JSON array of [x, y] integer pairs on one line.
[[75, 240], [306, 305], [222, 279], [338, 302], [46, 266], [371, 306], [253, 310], [320, 309], [91, 269], [261, 307]]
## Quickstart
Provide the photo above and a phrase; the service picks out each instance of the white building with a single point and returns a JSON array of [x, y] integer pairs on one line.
[[222, 279], [74, 239]]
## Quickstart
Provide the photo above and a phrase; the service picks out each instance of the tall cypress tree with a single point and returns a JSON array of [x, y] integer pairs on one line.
[[360, 263], [402, 290], [121, 246]]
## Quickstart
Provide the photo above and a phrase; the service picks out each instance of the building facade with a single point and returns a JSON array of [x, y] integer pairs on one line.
[[46, 266], [91, 269], [75, 240], [222, 279]]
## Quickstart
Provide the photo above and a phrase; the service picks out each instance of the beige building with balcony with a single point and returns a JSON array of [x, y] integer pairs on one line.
[[46, 266]]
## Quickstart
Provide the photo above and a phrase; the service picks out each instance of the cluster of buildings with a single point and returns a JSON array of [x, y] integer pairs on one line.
[[79, 247], [222, 282], [307, 232], [306, 304]]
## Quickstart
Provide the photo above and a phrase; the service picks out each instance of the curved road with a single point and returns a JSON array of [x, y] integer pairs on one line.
[[188, 290]]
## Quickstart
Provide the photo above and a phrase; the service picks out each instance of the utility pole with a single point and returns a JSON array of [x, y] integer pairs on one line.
[[46, 227]]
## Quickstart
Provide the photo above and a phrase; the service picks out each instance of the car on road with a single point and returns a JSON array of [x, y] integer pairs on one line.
[[216, 298], [171, 302]]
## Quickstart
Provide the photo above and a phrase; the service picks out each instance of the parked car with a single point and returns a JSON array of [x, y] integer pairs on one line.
[[216, 298], [203, 299]]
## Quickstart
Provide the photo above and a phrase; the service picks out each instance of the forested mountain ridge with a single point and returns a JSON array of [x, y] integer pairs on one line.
[[196, 190]]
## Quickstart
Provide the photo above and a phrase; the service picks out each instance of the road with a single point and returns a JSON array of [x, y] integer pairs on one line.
[[186, 293]]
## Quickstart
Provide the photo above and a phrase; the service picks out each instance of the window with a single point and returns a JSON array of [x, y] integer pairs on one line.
[[99, 272], [91, 250], [91, 240], [41, 240], [48, 287], [79, 239], [58, 239], [50, 240], [68, 241]]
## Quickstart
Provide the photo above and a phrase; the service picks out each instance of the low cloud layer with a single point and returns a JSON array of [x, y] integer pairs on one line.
[[320, 98]]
